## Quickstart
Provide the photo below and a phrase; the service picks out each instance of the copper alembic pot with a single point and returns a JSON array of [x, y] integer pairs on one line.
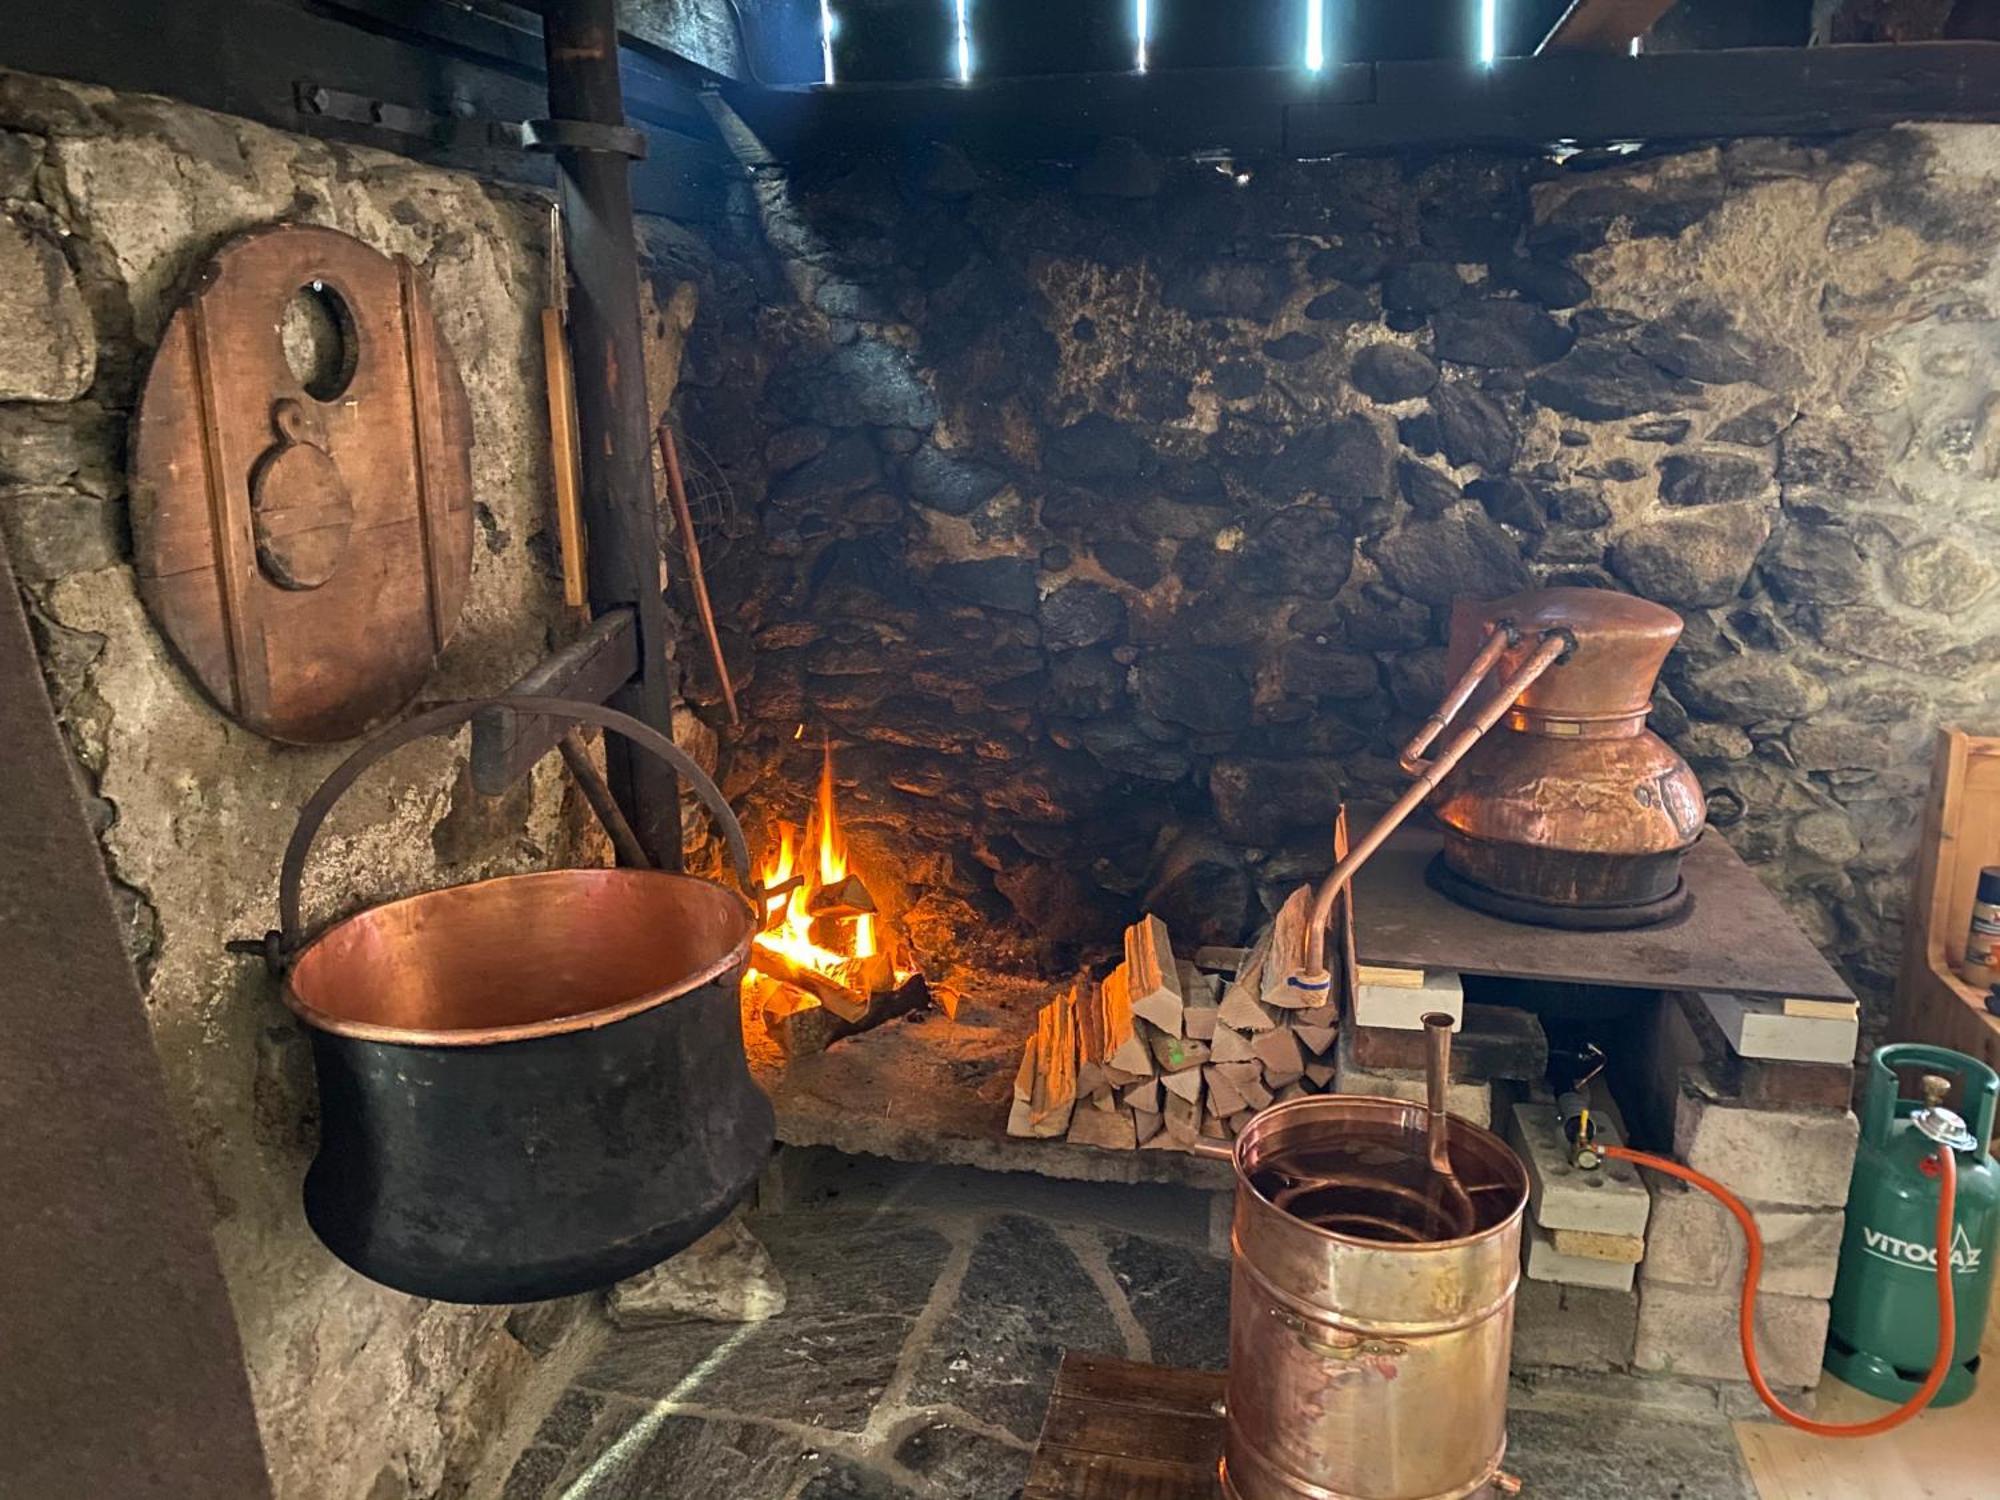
[[1571, 813]]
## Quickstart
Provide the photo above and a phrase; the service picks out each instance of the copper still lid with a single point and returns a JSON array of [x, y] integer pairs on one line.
[[1621, 644]]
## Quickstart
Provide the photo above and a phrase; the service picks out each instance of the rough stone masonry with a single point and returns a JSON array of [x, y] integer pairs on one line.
[[1109, 517]]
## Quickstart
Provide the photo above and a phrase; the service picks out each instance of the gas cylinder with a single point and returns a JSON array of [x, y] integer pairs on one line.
[[1884, 1328]]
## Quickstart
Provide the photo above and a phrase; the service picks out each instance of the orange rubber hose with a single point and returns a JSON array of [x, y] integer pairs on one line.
[[1747, 1313]]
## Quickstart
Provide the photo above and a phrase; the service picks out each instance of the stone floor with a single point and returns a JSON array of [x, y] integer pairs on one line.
[[928, 1311]]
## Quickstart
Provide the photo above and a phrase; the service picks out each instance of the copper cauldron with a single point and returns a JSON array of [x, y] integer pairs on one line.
[[1571, 813]]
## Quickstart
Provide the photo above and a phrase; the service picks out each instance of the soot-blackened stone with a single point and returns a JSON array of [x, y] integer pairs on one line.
[[1602, 382], [1237, 379], [1080, 614], [1228, 289], [1710, 478], [997, 582], [1425, 286], [1345, 459], [1206, 691], [956, 486], [1500, 334], [1340, 304], [1473, 428], [1309, 668], [1460, 554], [1289, 348], [1511, 501], [1260, 802], [1581, 508], [1757, 426], [1699, 340], [1545, 281], [1832, 455], [1392, 372], [1428, 490], [1357, 260], [1303, 549], [865, 383], [1659, 430], [1129, 561], [1694, 557], [849, 464], [1814, 565], [1096, 447]]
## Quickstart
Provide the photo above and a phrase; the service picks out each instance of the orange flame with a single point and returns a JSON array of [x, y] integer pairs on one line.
[[791, 935]]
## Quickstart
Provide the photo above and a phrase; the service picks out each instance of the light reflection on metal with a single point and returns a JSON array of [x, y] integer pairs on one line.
[[826, 42], [964, 40], [1315, 34], [1489, 31], [1142, 25]]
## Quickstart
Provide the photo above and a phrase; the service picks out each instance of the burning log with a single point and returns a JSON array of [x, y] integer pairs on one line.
[[814, 1028], [847, 897], [849, 1005]]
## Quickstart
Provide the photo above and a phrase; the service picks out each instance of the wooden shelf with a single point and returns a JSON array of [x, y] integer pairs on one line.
[[1961, 834]]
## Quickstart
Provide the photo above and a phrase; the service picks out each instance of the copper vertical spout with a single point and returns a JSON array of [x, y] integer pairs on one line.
[[1457, 1203], [1429, 773]]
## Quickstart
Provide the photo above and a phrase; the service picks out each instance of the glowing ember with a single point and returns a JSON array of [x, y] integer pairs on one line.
[[835, 946]]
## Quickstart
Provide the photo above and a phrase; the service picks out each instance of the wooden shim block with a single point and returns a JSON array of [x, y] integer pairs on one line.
[[1183, 1117], [1146, 1123], [1176, 1053], [1220, 960], [1222, 1092], [1198, 988], [1144, 1097], [1822, 1010], [1112, 1130], [1125, 1048], [1584, 1244], [1247, 1080], [1230, 1046], [1390, 977], [1186, 1084], [1198, 1021], [1321, 1074], [1316, 1038], [1279, 1052], [1287, 955], [1153, 975], [1296, 1089], [1404, 1008]]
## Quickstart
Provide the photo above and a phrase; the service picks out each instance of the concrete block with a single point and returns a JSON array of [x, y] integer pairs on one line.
[[1625, 1249], [1694, 1242], [1544, 1262], [1683, 1331], [1573, 1327], [1608, 1200], [1402, 1009], [1798, 1157], [1468, 1101], [1756, 1026]]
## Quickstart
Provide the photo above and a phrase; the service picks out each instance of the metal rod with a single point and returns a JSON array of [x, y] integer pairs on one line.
[[622, 542], [684, 519], [598, 795], [1314, 975]]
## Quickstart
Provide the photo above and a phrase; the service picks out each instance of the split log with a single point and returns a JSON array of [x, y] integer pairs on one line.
[[846, 897], [1185, 1084], [1220, 960], [1316, 1038], [1125, 1051], [1214, 1127], [1111, 1130], [1223, 1096], [1142, 1097], [1020, 1117], [1230, 1046], [1287, 955], [849, 1005], [1050, 1063], [1153, 976], [815, 1028], [1293, 1090], [1238, 1122], [1176, 1053], [1183, 1120], [1321, 1074], [1198, 1021], [1279, 1052], [1246, 1081], [1249, 981], [1146, 1124], [1198, 988]]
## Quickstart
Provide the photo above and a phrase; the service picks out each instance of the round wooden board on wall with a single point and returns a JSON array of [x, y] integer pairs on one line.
[[302, 484]]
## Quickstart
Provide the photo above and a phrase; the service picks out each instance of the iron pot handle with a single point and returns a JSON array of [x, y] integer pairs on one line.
[[282, 944]]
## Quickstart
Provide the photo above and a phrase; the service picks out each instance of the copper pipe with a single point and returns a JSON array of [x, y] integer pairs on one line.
[[684, 518], [1313, 976], [1499, 640], [1437, 1057]]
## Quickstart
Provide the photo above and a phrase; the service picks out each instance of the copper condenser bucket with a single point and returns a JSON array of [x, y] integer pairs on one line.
[[1371, 1311], [1571, 813]]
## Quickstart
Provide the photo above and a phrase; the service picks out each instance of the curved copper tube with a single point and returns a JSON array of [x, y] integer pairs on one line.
[[1314, 976]]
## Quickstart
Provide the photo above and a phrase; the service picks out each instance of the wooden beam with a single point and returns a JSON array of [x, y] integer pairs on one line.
[[1603, 25], [506, 745], [1521, 103]]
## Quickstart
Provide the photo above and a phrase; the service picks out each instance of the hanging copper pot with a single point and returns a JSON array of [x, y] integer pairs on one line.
[[1571, 813]]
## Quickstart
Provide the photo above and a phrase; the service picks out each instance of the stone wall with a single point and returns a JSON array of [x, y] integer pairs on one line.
[[110, 204], [1108, 517]]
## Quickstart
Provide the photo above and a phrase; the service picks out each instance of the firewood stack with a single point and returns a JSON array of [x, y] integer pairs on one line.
[[1164, 1051]]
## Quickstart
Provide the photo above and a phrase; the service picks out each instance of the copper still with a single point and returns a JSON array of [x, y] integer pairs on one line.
[[1572, 813], [1371, 1313]]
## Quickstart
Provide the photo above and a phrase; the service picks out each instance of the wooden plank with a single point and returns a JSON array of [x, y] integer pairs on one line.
[[1603, 25], [1116, 1430], [1961, 833], [506, 745]]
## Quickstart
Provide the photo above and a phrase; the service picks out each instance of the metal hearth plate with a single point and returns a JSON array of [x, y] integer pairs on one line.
[[1733, 935]]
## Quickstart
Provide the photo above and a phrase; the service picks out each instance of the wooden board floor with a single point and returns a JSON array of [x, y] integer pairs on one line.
[[1116, 1430], [1942, 1455]]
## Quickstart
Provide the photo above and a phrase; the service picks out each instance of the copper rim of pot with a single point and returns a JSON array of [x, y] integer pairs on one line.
[[1390, 1111]]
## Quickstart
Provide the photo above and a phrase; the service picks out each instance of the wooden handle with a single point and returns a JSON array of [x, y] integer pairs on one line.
[[562, 446]]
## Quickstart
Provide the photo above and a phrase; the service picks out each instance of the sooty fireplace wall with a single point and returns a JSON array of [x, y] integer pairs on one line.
[[1106, 516]]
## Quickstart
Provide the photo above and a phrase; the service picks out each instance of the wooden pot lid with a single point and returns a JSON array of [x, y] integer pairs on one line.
[[305, 554]]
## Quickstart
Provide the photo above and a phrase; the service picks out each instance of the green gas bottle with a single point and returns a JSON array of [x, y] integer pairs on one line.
[[1884, 1328]]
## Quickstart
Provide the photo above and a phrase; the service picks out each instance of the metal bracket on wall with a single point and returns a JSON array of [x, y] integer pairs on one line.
[[461, 128]]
